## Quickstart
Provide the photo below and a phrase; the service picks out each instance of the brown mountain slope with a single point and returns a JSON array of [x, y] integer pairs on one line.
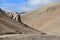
[[46, 19], [10, 26]]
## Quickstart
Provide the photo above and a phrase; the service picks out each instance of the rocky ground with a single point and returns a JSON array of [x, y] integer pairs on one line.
[[27, 30], [29, 37], [10, 26], [10, 29]]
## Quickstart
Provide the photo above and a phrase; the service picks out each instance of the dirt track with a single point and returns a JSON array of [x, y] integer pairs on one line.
[[29, 37]]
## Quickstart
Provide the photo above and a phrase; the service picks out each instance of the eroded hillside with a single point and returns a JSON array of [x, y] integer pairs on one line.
[[46, 19], [10, 26]]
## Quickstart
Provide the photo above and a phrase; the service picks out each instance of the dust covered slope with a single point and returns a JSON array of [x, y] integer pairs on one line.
[[10, 26], [46, 19]]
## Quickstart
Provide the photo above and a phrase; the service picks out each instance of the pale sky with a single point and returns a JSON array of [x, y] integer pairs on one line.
[[24, 5]]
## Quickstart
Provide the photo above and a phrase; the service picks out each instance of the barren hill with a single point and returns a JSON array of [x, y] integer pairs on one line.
[[10, 26], [45, 19]]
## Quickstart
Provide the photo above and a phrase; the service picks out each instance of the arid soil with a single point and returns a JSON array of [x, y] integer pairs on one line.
[[10, 26], [45, 19], [41, 24], [29, 37]]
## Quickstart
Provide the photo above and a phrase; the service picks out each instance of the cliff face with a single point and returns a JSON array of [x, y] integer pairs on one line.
[[46, 19]]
